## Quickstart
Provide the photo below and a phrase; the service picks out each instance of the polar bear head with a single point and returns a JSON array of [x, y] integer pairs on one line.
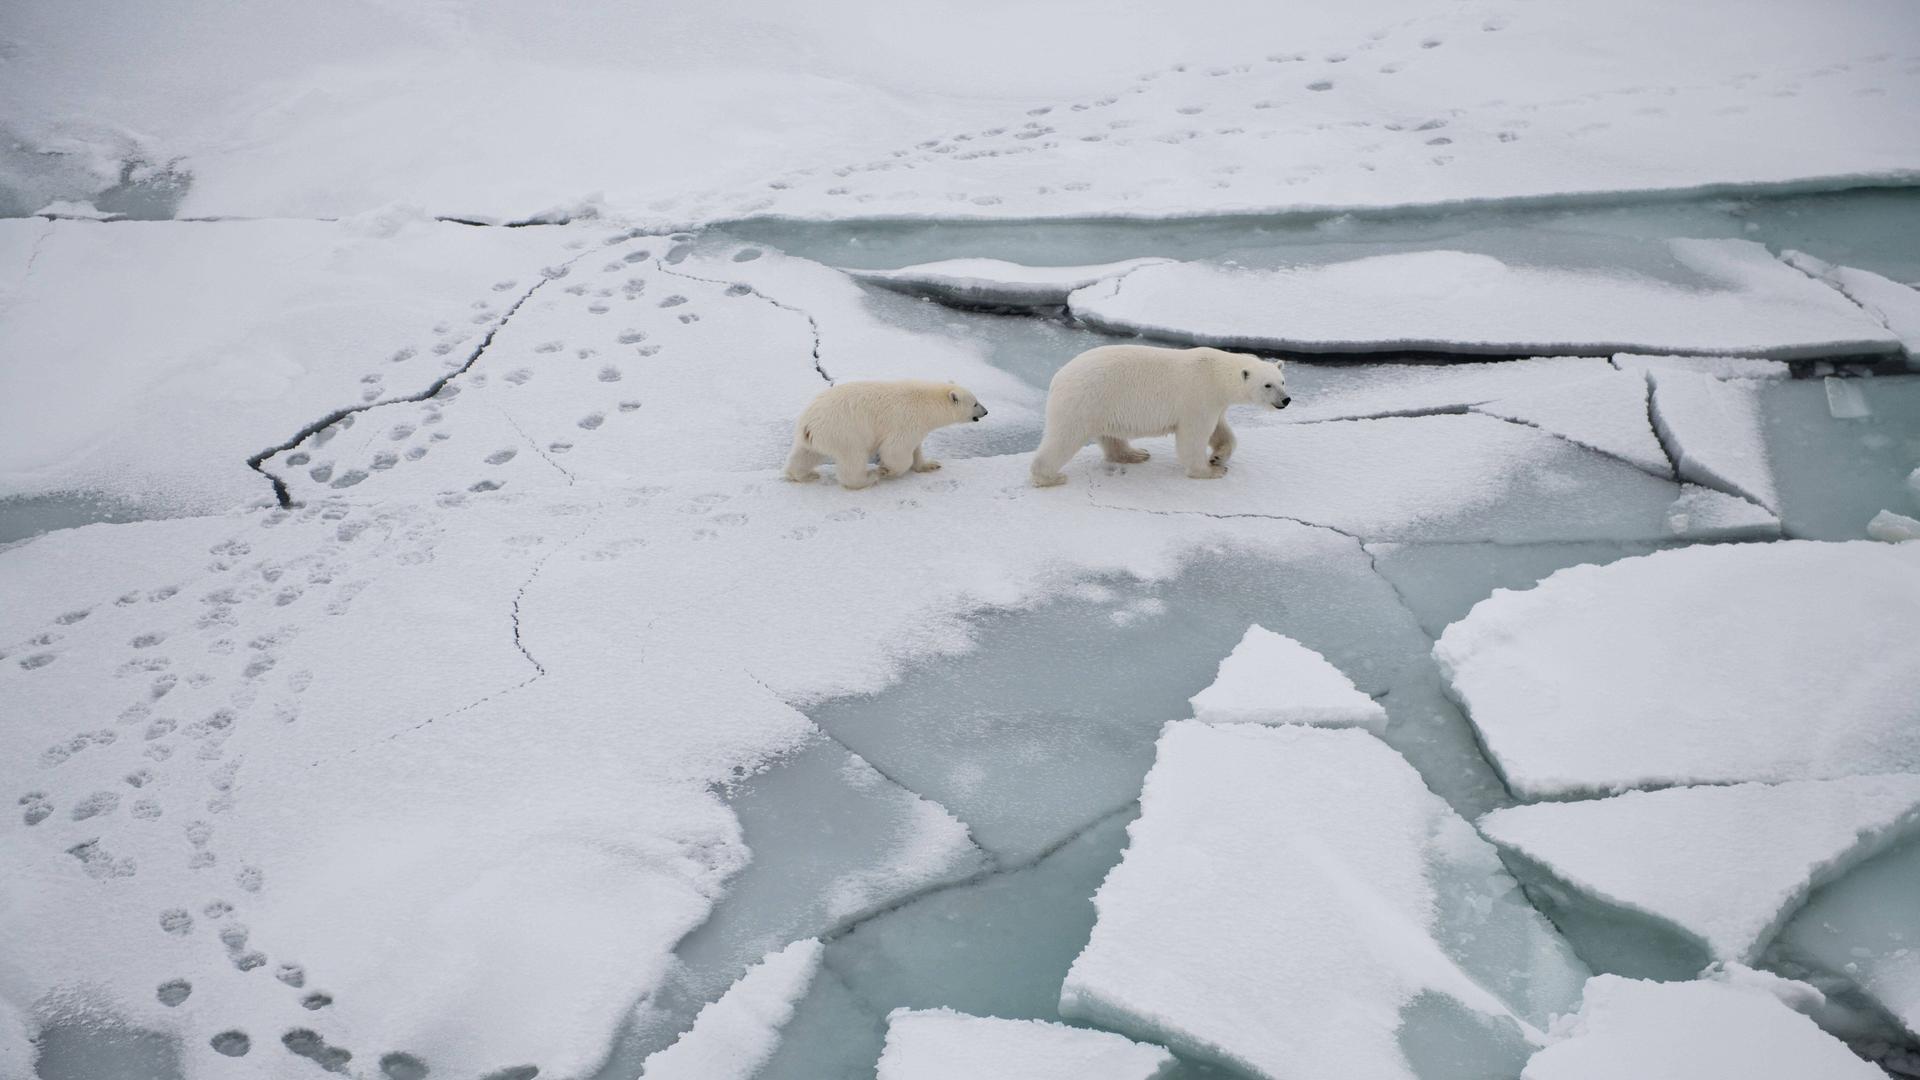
[[1259, 381], [962, 405]]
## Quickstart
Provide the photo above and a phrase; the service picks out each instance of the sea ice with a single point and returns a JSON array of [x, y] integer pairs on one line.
[[1856, 939], [1834, 475], [1727, 865], [1893, 528], [1644, 672], [1897, 306], [1690, 1031], [736, 1034], [1721, 297], [1720, 367], [1423, 478], [996, 282], [1605, 412], [1440, 583], [1844, 399], [1295, 902], [1272, 679], [1713, 429], [157, 357], [940, 1044], [1346, 391]]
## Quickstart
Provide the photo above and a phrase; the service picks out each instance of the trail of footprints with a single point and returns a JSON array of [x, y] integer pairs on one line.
[[1185, 103], [190, 688]]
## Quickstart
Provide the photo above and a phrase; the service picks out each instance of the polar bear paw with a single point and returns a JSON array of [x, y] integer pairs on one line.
[[1210, 472], [1051, 480], [926, 465]]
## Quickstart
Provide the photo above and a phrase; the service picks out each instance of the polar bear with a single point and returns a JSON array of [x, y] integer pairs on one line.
[[1120, 392], [853, 421]]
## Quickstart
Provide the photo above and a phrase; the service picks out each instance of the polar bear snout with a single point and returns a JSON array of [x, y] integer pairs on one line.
[[1283, 402], [979, 411]]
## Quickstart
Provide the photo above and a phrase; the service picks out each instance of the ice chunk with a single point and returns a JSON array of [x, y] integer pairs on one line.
[[1856, 938], [1698, 665], [1712, 428], [1690, 1031], [1605, 412], [1720, 367], [1897, 306], [1731, 298], [996, 282], [1844, 399], [1893, 528], [1295, 902], [1272, 679], [736, 1035], [1705, 514], [940, 1044], [1724, 864]]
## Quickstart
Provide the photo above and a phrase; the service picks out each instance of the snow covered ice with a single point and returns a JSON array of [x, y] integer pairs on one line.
[[412, 663]]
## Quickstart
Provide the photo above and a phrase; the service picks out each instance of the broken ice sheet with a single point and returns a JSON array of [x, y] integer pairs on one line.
[[736, 1034], [995, 282], [1643, 673], [1727, 297], [1272, 679], [1724, 866], [940, 1044], [1858, 939], [1294, 902], [1690, 1031], [1712, 427]]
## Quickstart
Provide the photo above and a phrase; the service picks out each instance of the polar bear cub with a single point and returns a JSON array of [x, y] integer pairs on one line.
[[853, 421], [1120, 392]]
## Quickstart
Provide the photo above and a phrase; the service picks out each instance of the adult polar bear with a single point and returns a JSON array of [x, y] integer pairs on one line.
[[1120, 392]]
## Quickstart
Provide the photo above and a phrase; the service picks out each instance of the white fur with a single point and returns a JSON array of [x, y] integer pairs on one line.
[[852, 422], [1120, 392]]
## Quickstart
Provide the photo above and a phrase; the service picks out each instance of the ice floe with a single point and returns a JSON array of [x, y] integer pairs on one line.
[[1720, 367], [1605, 412], [1294, 902], [1702, 665], [736, 1034], [1712, 427], [1722, 297], [1893, 528], [1272, 679], [996, 282], [1726, 864], [1897, 306], [1690, 1031], [940, 1044]]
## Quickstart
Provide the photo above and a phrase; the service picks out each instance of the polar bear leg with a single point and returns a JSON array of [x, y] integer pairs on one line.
[[803, 462], [850, 465], [923, 464], [1223, 442], [1190, 446], [897, 455], [1120, 451], [1055, 449]]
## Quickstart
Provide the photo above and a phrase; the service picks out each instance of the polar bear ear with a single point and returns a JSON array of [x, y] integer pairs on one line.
[[953, 396], [1245, 374]]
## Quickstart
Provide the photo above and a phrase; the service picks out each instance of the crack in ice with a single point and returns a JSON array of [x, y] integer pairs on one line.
[[812, 323]]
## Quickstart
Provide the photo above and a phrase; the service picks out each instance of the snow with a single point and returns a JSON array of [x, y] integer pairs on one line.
[[1644, 672], [940, 1044], [736, 1034], [1897, 306], [1718, 297], [483, 110], [1690, 1031], [1893, 528], [1272, 679], [1426, 478], [1713, 429], [1291, 896], [1727, 864], [1345, 391], [157, 357], [1720, 367], [1605, 412], [996, 282]]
